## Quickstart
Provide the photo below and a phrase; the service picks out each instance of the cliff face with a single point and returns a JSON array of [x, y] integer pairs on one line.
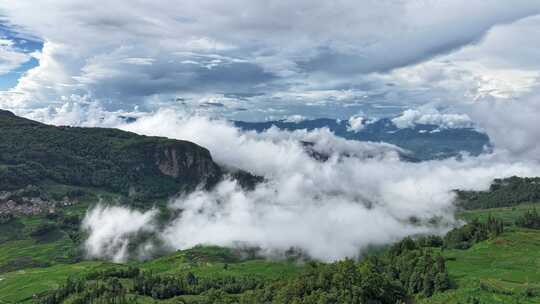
[[32, 153], [183, 162]]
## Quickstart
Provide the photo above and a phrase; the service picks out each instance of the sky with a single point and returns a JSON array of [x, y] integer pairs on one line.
[[256, 60]]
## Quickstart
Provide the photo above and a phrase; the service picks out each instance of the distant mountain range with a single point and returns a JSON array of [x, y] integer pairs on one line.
[[424, 141]]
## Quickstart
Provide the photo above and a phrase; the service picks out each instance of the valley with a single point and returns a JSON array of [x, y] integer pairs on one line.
[[42, 253]]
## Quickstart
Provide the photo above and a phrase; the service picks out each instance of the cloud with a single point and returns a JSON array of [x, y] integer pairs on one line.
[[110, 228], [512, 125], [356, 123], [10, 56], [138, 61], [501, 66], [237, 47], [409, 118], [363, 195], [295, 118]]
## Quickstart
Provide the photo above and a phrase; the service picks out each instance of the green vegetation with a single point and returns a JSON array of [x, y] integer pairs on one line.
[[506, 192], [508, 215], [206, 263], [530, 219], [474, 232], [405, 270], [501, 270], [492, 259], [148, 167], [47, 239]]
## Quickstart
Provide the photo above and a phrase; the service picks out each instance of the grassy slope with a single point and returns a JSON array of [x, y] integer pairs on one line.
[[499, 270], [19, 286], [496, 271], [28, 256], [16, 242]]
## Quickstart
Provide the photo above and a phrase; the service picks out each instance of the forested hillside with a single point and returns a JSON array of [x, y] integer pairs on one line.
[[32, 153]]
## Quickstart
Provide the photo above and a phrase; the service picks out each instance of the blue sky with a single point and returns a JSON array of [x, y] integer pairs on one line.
[[9, 80], [21, 45]]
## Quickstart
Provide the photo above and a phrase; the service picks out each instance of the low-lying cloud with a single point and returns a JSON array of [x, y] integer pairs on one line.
[[410, 118], [110, 228], [362, 195]]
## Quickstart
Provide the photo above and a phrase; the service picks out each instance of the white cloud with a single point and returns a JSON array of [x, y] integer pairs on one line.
[[362, 195], [138, 61], [11, 57], [268, 48], [110, 229], [356, 123], [295, 118], [409, 118], [6, 42], [512, 125]]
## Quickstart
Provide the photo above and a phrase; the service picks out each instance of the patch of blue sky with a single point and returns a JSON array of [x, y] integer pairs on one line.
[[9, 80], [24, 44]]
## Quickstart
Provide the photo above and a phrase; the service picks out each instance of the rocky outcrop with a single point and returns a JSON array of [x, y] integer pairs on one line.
[[168, 163], [183, 164]]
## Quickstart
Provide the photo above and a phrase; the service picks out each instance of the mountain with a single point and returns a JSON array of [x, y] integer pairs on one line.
[[35, 154], [424, 141]]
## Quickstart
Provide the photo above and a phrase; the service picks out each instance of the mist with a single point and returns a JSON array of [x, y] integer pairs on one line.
[[109, 230], [363, 195]]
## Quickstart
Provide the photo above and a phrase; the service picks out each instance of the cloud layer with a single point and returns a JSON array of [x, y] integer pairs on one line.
[[247, 54], [363, 195]]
